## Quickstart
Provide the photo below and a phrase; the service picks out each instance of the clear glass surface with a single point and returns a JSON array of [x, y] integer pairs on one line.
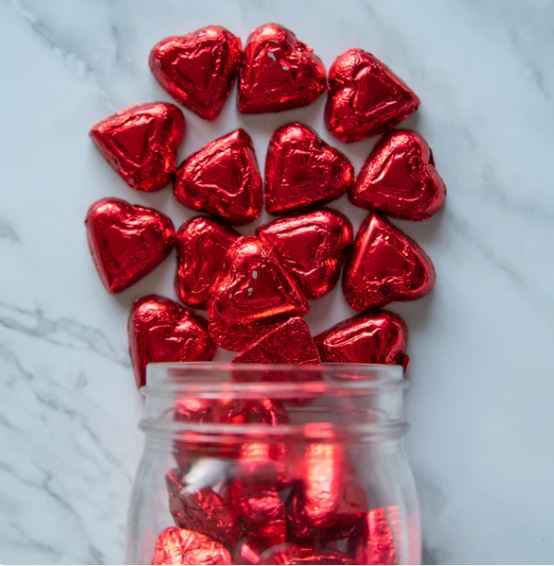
[[274, 464]]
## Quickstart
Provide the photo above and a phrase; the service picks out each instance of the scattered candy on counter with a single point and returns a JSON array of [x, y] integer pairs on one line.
[[276, 503]]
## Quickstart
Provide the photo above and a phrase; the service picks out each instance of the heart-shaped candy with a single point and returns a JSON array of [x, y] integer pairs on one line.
[[161, 330], [386, 265], [365, 97], [287, 343], [198, 69], [252, 295], [399, 178], [141, 143], [373, 338], [312, 247], [302, 170], [222, 179], [278, 72], [126, 241], [202, 246]]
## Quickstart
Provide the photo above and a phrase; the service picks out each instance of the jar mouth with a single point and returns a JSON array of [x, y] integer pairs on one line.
[[211, 380]]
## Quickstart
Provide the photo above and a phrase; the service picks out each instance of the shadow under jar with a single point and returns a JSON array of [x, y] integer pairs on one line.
[[267, 464]]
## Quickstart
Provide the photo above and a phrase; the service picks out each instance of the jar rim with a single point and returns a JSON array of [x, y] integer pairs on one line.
[[212, 378]]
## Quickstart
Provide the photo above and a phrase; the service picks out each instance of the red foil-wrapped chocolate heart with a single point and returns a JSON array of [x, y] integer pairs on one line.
[[329, 502], [201, 510], [202, 245], [378, 337], [278, 72], [198, 69], [222, 179], [181, 546], [261, 510], [126, 241], [399, 178], [287, 343], [161, 330], [312, 247], [302, 170], [386, 265], [373, 541], [141, 143], [296, 554], [365, 97], [252, 295]]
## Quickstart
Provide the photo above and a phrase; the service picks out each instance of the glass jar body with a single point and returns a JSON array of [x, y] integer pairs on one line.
[[273, 466]]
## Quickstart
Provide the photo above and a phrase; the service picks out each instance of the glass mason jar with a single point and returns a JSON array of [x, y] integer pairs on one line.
[[261, 464]]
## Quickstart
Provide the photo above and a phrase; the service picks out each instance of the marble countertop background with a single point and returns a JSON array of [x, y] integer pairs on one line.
[[482, 394]]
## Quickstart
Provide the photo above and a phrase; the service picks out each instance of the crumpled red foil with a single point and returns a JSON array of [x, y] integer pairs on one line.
[[248, 551], [365, 97], [201, 510], [261, 510], [302, 170], [252, 295], [181, 546], [399, 178], [141, 143], [386, 265], [373, 541], [287, 343], [198, 69], [278, 72], [126, 241], [296, 554], [202, 245], [329, 502], [161, 330], [378, 337], [222, 179], [312, 246]]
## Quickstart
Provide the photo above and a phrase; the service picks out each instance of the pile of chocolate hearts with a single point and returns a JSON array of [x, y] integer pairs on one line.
[[256, 288]]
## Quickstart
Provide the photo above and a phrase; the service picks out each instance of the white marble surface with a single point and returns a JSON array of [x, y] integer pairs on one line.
[[481, 345]]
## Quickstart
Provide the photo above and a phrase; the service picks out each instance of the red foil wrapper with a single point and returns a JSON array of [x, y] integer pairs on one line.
[[252, 295], [295, 554], [181, 546], [312, 247], [373, 541], [201, 510], [287, 343], [202, 246], [278, 72], [365, 97], [161, 330], [222, 411], [399, 178], [302, 170], [371, 338], [141, 143], [265, 462], [198, 69], [329, 502], [222, 179], [261, 510], [386, 265], [126, 241], [248, 552]]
